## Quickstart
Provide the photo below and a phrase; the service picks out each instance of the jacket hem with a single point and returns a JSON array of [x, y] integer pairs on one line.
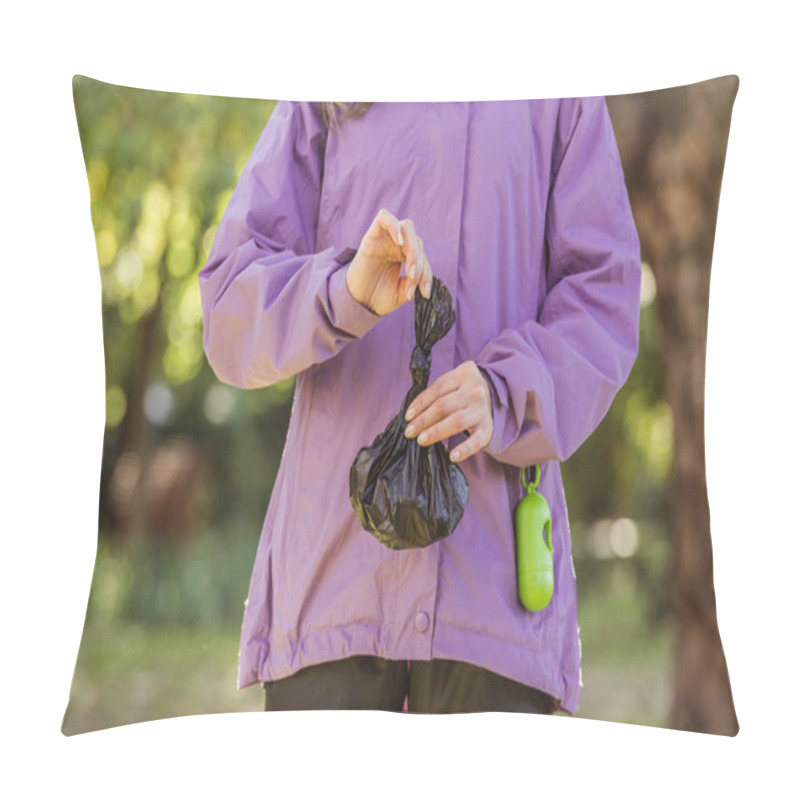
[[519, 663]]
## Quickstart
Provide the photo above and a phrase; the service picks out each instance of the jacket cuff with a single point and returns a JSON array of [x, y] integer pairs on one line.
[[347, 314], [499, 395]]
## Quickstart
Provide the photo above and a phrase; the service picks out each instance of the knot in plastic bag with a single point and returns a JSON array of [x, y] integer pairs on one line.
[[433, 317], [420, 372], [404, 494]]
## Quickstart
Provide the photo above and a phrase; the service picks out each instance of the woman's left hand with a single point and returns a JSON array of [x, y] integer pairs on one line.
[[459, 400]]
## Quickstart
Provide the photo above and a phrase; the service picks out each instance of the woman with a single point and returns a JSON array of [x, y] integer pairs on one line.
[[520, 208]]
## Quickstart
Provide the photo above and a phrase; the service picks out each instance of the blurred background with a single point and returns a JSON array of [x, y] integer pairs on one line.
[[188, 463]]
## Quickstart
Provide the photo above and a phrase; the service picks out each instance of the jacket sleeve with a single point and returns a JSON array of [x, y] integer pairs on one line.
[[272, 306], [553, 379]]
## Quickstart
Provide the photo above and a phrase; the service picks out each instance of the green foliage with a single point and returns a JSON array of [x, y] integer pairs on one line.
[[161, 168], [622, 469], [156, 582]]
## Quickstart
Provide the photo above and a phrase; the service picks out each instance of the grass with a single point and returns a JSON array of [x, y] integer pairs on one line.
[[129, 673], [626, 661]]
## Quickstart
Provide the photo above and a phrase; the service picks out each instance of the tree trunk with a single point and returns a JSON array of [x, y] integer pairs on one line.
[[673, 145], [128, 510]]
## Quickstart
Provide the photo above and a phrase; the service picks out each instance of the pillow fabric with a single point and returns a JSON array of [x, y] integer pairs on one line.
[[189, 462]]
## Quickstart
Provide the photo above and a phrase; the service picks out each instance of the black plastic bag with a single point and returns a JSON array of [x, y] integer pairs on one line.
[[404, 494]]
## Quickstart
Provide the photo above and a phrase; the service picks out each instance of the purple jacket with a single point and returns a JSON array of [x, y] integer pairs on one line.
[[524, 213]]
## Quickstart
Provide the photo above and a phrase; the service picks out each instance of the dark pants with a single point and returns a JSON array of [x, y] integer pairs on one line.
[[432, 687]]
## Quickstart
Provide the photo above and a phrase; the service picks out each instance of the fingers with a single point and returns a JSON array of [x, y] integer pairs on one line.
[[422, 278], [414, 258], [386, 221], [412, 247], [458, 420], [426, 280], [403, 235], [457, 401], [472, 445], [443, 385]]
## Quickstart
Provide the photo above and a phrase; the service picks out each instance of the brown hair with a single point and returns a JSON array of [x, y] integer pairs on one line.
[[345, 110]]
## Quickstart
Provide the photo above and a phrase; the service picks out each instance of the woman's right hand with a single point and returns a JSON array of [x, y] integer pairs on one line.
[[374, 276]]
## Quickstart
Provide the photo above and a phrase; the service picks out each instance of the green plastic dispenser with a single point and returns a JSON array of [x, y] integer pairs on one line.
[[534, 546]]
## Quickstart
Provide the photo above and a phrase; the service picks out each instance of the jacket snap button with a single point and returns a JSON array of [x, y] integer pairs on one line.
[[421, 621]]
